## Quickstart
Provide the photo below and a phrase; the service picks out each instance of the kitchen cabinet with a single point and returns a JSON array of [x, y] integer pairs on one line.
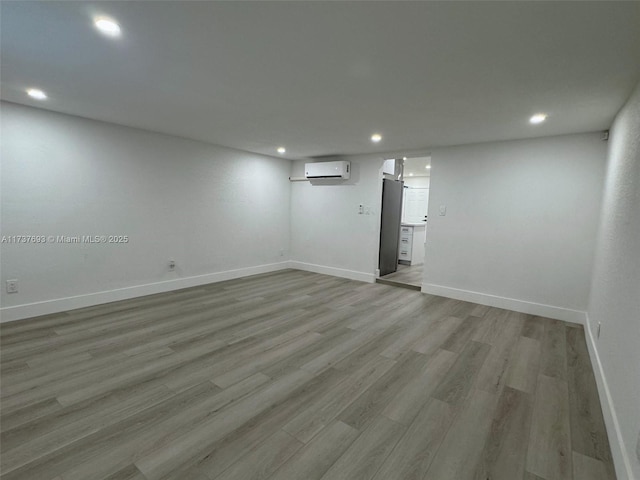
[[411, 245]]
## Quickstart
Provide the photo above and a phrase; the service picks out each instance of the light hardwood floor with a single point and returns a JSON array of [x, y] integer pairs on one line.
[[294, 375], [406, 274]]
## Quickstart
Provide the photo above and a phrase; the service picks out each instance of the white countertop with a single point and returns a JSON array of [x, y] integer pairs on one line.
[[420, 224]]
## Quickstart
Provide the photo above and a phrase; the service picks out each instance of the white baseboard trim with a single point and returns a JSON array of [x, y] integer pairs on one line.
[[618, 451], [19, 312], [333, 271], [538, 309]]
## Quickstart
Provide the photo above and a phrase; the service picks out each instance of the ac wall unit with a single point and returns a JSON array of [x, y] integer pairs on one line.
[[337, 170]]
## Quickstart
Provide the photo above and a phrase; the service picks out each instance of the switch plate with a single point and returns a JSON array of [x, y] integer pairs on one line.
[[442, 210], [12, 286], [360, 209]]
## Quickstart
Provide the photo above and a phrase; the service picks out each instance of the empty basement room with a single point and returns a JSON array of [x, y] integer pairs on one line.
[[194, 207]]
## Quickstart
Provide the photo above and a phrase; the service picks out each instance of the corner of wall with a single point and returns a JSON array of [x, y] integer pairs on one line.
[[613, 300], [531, 308], [333, 271]]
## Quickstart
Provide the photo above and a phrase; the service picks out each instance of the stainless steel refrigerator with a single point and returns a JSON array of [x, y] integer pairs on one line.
[[391, 217]]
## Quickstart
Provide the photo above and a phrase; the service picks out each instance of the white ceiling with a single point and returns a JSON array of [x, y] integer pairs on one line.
[[321, 77]]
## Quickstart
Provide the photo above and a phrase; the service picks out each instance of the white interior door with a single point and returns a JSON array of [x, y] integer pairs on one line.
[[416, 204]]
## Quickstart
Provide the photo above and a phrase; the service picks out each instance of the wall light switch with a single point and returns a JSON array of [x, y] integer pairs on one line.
[[360, 209], [442, 210]]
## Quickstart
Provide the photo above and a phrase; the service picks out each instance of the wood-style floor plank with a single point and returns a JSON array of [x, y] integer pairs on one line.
[[440, 332], [163, 460], [376, 398], [549, 451], [523, 371], [327, 406], [127, 473], [502, 335], [320, 454], [505, 449], [531, 476], [462, 448], [412, 456], [293, 374], [459, 379], [553, 360], [588, 468], [408, 400], [533, 328], [112, 448], [265, 459], [365, 455], [215, 458]]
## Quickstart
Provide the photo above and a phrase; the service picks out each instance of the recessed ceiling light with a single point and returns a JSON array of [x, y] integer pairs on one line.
[[428, 166], [107, 26], [404, 158], [37, 94], [411, 174], [538, 118], [281, 150], [376, 137]]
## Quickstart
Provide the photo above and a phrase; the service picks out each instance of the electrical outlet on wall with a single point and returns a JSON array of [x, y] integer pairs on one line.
[[172, 265], [12, 286]]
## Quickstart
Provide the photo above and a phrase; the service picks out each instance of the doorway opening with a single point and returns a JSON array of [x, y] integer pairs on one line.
[[405, 203]]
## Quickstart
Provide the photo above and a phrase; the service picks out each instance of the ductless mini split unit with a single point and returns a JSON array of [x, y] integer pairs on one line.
[[328, 170]]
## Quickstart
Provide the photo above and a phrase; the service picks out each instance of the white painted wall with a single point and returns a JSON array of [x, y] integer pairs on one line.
[[520, 225], [327, 233], [210, 208], [615, 291], [417, 182]]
